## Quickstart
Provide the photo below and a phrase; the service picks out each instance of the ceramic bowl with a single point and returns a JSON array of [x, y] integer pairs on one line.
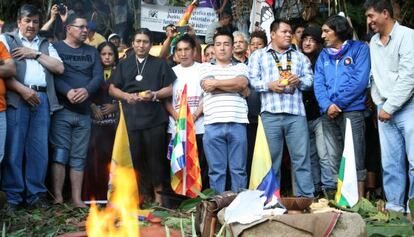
[[296, 204]]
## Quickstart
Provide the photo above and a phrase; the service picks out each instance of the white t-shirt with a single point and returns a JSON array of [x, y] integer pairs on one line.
[[191, 77], [224, 107]]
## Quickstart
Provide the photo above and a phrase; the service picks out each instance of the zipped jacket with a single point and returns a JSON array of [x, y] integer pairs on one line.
[[342, 78]]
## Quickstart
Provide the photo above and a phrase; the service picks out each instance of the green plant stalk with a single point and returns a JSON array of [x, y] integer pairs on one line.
[[167, 231], [3, 231], [193, 229], [182, 228], [220, 233]]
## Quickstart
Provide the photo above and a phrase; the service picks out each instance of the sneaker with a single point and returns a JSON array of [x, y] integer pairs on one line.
[[329, 194], [319, 194], [10, 208], [3, 199], [40, 203]]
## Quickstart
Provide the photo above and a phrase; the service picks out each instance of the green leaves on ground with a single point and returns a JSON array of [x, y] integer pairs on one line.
[[53, 221], [190, 204], [389, 223], [411, 207]]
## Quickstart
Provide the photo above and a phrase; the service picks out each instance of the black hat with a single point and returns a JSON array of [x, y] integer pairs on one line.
[[314, 32]]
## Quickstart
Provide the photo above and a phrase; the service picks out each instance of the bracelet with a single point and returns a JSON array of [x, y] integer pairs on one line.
[[154, 96]]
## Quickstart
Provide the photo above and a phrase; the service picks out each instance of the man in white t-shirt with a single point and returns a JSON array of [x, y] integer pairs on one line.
[[188, 72], [225, 115]]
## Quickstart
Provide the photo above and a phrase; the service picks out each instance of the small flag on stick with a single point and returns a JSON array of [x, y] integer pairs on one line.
[[185, 168], [262, 175], [347, 193]]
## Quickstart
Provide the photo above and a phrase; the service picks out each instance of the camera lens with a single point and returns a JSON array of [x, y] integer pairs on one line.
[[61, 8]]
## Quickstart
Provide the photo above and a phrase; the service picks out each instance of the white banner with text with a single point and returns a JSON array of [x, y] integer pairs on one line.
[[155, 17]]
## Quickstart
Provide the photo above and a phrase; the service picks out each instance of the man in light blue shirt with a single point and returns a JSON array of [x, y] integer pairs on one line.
[[280, 73], [31, 97], [392, 65]]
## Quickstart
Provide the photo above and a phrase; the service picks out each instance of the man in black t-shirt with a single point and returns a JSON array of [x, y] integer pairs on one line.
[[71, 126], [140, 82]]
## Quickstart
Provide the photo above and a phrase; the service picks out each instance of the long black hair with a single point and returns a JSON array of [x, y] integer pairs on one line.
[[112, 46], [341, 26]]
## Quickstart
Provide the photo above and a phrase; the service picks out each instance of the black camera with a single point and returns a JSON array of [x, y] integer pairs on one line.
[[179, 29], [182, 29], [61, 8]]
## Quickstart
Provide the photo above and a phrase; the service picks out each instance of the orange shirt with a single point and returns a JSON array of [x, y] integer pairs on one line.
[[4, 54]]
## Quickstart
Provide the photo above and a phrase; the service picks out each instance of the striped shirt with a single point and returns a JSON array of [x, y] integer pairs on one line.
[[263, 69], [224, 107]]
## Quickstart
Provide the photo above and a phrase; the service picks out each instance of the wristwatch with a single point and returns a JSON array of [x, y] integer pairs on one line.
[[37, 55]]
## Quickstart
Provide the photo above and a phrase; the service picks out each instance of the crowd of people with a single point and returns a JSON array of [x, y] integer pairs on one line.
[[65, 96]]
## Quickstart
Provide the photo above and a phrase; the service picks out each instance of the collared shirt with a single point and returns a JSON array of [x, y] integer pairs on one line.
[[35, 74], [224, 107], [263, 69], [238, 61], [392, 67]]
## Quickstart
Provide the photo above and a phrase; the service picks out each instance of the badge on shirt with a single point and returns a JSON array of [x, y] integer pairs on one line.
[[348, 61]]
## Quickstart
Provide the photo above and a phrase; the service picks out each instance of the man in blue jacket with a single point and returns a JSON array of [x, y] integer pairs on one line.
[[340, 83]]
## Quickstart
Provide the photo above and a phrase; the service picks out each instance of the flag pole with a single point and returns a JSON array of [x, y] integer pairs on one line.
[[185, 160], [185, 153], [184, 179]]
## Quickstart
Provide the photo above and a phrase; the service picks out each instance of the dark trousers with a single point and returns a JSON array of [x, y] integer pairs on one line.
[[96, 177], [149, 157], [251, 140], [203, 162]]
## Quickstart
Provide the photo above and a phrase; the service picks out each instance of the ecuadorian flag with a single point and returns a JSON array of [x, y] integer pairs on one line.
[[121, 154], [347, 193], [262, 176]]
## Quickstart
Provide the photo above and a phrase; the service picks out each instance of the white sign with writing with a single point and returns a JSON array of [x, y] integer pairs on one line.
[[155, 17]]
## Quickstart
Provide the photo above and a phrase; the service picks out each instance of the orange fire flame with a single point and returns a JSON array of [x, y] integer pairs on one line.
[[120, 217]]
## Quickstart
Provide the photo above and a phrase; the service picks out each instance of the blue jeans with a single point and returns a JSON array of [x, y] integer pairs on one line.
[[69, 136], [3, 130], [225, 145], [397, 155], [27, 138], [321, 166], [334, 132], [294, 129]]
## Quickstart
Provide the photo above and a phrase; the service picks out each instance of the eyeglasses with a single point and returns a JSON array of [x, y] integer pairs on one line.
[[82, 27]]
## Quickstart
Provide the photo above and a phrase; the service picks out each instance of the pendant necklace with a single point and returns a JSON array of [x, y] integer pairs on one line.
[[139, 76]]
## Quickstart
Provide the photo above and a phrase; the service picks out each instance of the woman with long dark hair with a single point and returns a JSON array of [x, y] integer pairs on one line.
[[104, 115]]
